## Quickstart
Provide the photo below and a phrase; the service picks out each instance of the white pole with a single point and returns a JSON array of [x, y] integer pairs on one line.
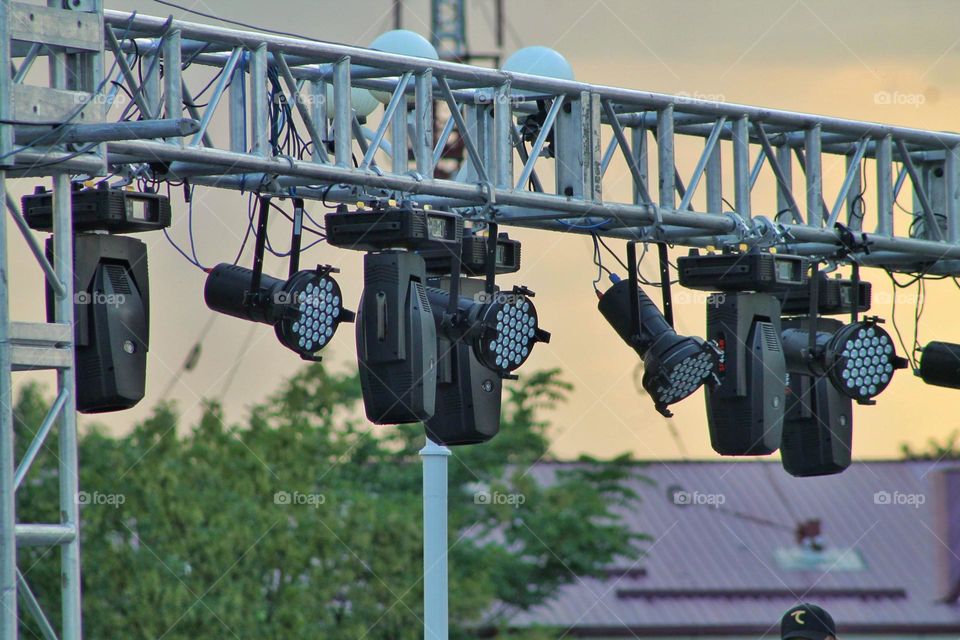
[[434, 541]]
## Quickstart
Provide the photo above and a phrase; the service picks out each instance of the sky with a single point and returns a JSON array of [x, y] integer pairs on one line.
[[830, 58]]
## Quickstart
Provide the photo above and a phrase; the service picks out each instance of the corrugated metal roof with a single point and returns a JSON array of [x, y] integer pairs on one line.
[[715, 570]]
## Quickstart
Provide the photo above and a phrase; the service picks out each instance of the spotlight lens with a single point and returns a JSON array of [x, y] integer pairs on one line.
[[507, 343], [867, 358], [308, 324], [680, 374]]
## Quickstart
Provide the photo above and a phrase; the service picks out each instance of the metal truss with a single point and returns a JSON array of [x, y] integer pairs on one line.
[[575, 130], [69, 38], [538, 155]]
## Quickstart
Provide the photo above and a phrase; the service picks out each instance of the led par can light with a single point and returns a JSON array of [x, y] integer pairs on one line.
[[675, 366], [305, 310], [940, 364], [745, 410], [396, 339], [858, 358], [502, 327]]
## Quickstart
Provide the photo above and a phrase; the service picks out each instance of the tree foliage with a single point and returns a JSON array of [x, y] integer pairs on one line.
[[948, 449], [305, 522]]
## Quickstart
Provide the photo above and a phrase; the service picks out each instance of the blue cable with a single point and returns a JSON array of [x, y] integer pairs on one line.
[[181, 251]]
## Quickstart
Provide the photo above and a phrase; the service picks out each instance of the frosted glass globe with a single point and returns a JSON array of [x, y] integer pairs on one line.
[[405, 43]]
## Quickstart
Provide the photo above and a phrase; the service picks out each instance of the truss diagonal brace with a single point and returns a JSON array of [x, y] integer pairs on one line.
[[291, 83], [785, 186], [929, 218], [545, 128], [625, 148], [702, 162], [464, 130]]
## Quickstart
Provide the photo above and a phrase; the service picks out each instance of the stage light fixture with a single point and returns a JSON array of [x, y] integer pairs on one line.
[[474, 256], [101, 209], [501, 327], [483, 337], [835, 296], [818, 426], [858, 358], [675, 366], [468, 313], [745, 410], [940, 364], [396, 332], [111, 288], [305, 310], [111, 320], [754, 271]]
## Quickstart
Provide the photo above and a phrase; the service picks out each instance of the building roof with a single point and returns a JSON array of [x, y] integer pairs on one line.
[[731, 562]]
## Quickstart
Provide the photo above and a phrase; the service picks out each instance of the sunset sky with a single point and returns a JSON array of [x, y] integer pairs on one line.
[[820, 57]]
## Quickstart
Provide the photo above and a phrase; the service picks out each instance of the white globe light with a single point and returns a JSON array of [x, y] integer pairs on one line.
[[404, 43], [539, 61], [360, 100]]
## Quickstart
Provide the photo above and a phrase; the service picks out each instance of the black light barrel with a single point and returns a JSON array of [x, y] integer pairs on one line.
[[615, 307], [227, 291], [940, 364]]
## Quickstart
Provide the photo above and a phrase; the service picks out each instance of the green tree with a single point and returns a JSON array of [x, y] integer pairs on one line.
[[949, 449], [306, 521]]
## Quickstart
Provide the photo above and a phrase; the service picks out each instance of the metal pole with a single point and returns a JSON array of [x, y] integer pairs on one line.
[[885, 194], [435, 588], [8, 547], [66, 383]]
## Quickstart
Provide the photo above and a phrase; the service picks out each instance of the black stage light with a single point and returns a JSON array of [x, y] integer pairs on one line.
[[858, 358], [305, 310], [674, 366], [403, 226], [940, 364], [483, 334], [481, 339], [754, 271], [745, 410], [101, 209], [396, 339], [396, 333], [473, 256], [468, 398], [111, 320], [818, 426], [835, 296], [501, 327]]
